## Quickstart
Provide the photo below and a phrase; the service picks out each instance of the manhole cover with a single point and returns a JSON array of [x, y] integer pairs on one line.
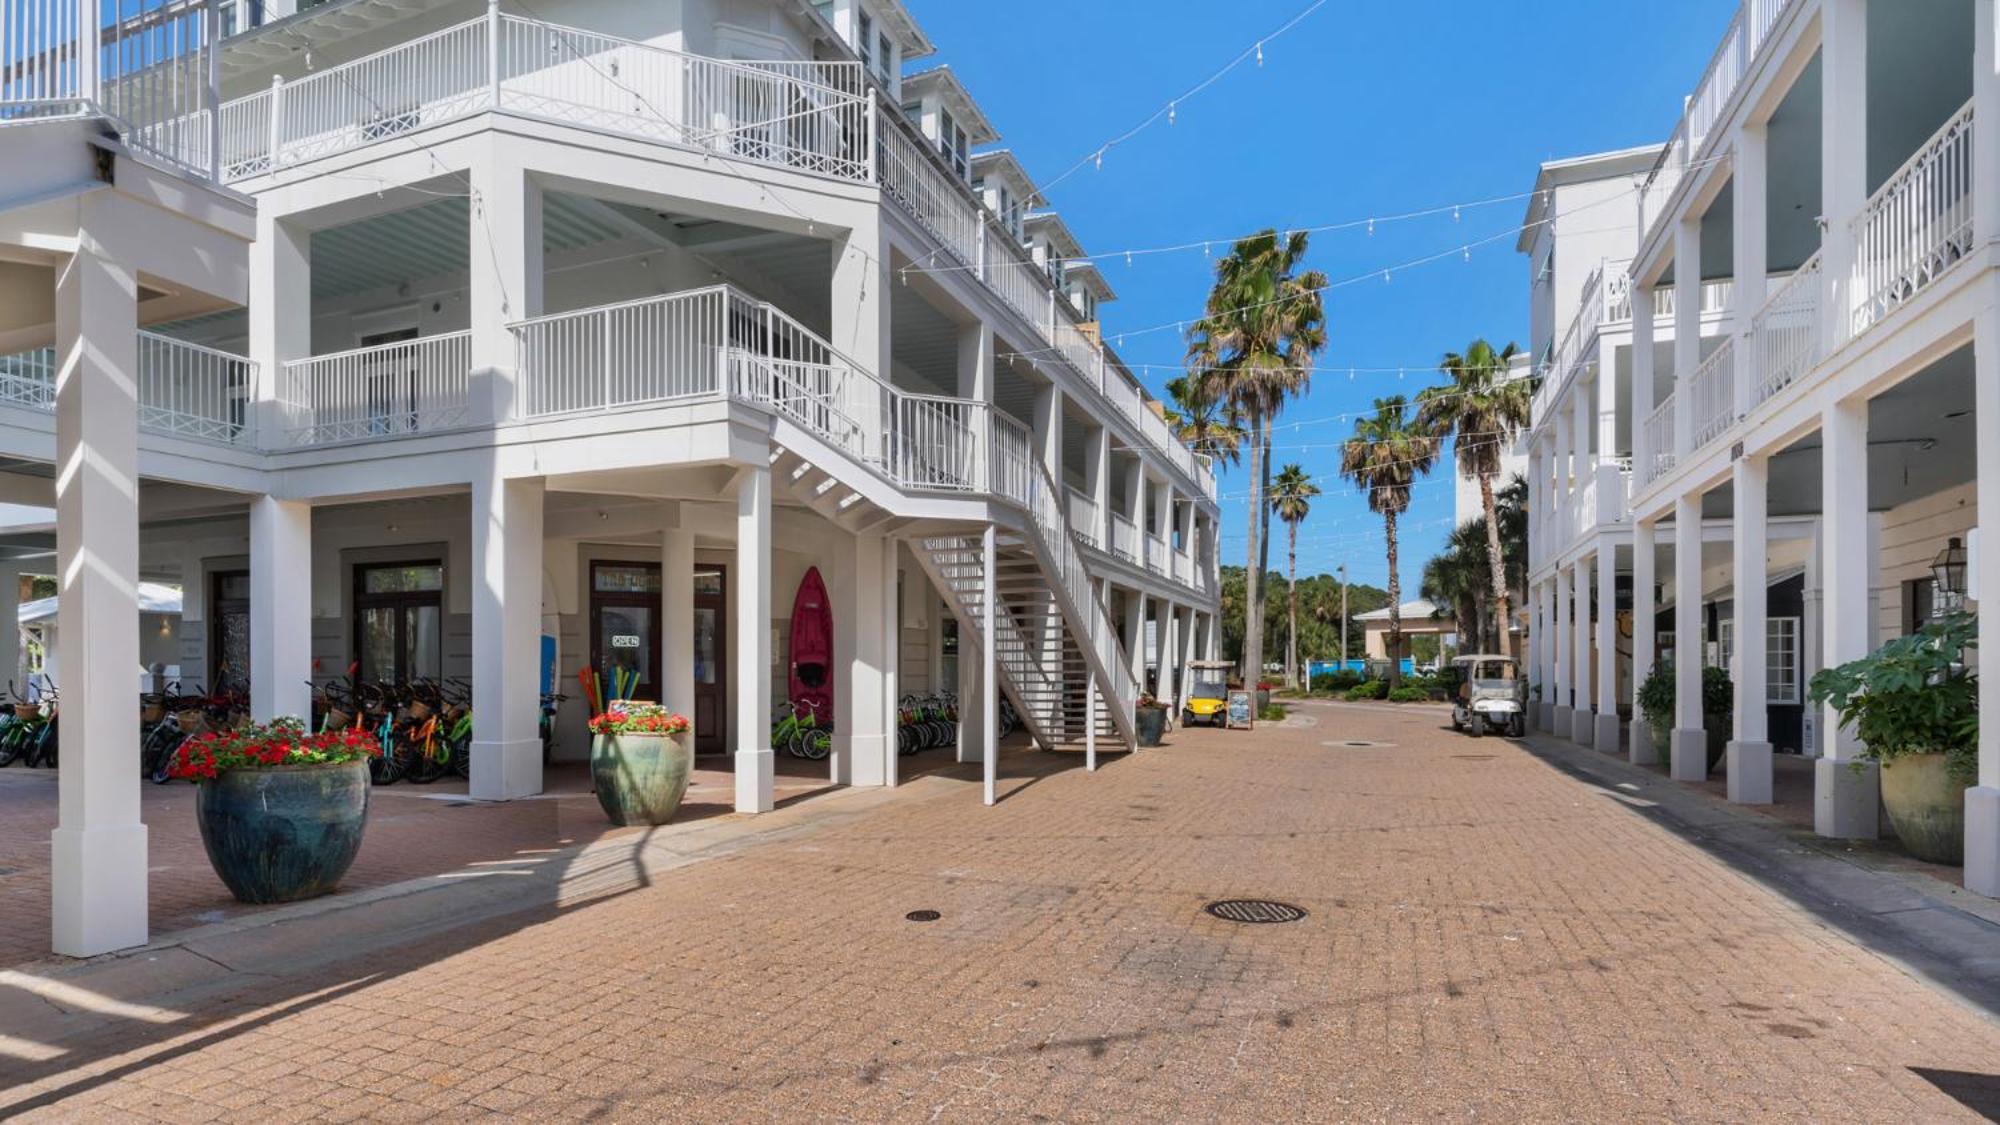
[[1256, 911], [1356, 744], [923, 916]]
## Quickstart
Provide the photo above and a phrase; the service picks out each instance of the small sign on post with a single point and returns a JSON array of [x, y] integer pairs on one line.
[[1242, 710]]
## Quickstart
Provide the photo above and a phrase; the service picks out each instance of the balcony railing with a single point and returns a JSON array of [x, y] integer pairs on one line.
[[1712, 394], [811, 116], [1786, 331], [145, 66], [1083, 517], [1124, 537], [1660, 445], [648, 351], [1916, 224], [389, 390], [184, 389]]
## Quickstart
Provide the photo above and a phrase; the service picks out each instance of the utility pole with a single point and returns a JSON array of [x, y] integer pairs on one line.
[[1343, 616]]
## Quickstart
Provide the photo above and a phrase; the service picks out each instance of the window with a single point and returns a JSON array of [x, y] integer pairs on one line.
[[1781, 661], [399, 621], [1920, 603], [953, 142], [884, 52], [864, 44]]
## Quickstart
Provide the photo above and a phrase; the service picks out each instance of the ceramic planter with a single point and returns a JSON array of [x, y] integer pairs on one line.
[[1926, 806], [1151, 724], [1263, 701], [641, 778], [285, 832]]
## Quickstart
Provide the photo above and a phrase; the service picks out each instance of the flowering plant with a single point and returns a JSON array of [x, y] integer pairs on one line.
[[641, 718], [281, 742], [1148, 703]]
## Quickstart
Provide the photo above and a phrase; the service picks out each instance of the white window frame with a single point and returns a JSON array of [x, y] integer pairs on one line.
[[1783, 638]]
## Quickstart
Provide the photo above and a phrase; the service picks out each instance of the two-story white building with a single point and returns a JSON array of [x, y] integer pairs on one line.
[[509, 326], [1773, 405]]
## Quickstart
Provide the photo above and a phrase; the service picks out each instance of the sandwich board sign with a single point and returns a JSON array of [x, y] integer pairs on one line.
[[1242, 710]]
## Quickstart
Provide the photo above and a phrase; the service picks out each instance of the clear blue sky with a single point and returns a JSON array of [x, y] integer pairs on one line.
[[1366, 108]]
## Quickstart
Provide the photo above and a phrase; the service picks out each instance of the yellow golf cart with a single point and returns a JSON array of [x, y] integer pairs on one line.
[[1208, 693]]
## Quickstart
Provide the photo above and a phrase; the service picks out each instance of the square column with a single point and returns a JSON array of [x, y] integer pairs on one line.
[[1097, 481], [1688, 758], [756, 765], [972, 692], [1643, 399], [280, 609], [1583, 723], [506, 637], [10, 622], [860, 325], [1687, 329], [1982, 801], [1564, 715], [505, 283], [280, 313], [1846, 790], [1135, 636], [97, 877], [1605, 737], [677, 615], [989, 670], [1749, 177], [1533, 661], [1750, 751], [1048, 428], [1645, 613], [864, 595], [1843, 156], [1187, 657], [1165, 643]]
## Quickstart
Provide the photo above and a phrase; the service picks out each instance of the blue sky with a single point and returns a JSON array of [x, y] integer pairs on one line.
[[1365, 109]]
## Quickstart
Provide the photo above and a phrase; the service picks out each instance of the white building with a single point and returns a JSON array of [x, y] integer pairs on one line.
[[1756, 434], [461, 325]]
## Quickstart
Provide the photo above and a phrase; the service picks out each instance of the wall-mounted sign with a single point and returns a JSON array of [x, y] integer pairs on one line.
[[1242, 710], [624, 640]]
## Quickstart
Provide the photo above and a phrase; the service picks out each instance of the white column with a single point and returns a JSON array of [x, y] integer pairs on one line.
[[1097, 482], [505, 278], [1165, 643], [1750, 749], [677, 615], [1605, 738], [280, 609], [864, 729], [1187, 657], [1645, 613], [506, 637], [1982, 801], [1581, 409], [972, 692], [1560, 678], [1843, 155], [1538, 544], [1642, 386], [1583, 723], [10, 623], [1135, 635], [756, 766], [280, 312], [1985, 121], [1845, 792], [1533, 660], [1688, 760], [1559, 496], [1048, 428], [1687, 328], [98, 850], [1750, 265], [989, 669], [860, 324]]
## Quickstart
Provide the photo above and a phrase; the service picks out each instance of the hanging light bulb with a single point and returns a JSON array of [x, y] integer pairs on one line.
[[1260, 52], [1172, 108], [1468, 253], [1099, 158], [1454, 212]]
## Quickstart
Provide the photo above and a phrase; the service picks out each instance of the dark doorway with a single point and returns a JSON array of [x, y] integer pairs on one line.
[[711, 659], [626, 632], [399, 621], [229, 628]]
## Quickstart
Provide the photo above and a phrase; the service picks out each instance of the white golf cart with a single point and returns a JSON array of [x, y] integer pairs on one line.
[[1491, 696]]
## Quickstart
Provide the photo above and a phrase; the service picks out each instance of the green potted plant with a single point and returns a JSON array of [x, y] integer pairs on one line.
[[1149, 720], [640, 758], [281, 811], [1718, 702], [1914, 704]]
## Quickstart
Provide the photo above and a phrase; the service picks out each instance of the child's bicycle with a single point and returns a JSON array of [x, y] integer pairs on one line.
[[800, 735]]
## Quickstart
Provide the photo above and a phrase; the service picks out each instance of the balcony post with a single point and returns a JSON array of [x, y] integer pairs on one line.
[[755, 763], [1559, 676], [1586, 465], [280, 609], [1751, 264], [1687, 329], [1982, 801], [89, 25], [1642, 381], [1582, 724], [280, 325], [276, 124], [212, 97], [1843, 156], [1688, 760], [1845, 786], [1644, 617], [493, 54], [1605, 737], [1750, 748], [505, 284], [506, 627], [1985, 125], [1097, 478]]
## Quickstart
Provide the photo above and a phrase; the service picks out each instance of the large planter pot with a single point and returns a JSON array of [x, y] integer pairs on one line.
[[1718, 730], [284, 833], [1263, 701], [1151, 723], [641, 778], [1926, 806]]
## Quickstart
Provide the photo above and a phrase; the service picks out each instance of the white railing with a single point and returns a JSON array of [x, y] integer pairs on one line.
[[1183, 568], [407, 387], [1712, 394], [1583, 504], [1156, 554], [938, 443], [194, 391], [1786, 331], [146, 65], [1660, 446], [1124, 537], [926, 192], [647, 351], [1915, 225], [1080, 350], [812, 116], [29, 379], [1083, 518]]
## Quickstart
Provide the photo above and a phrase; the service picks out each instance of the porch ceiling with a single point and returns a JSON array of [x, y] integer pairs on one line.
[[432, 239]]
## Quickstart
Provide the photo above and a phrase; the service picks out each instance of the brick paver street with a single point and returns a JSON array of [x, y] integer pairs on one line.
[[1490, 936]]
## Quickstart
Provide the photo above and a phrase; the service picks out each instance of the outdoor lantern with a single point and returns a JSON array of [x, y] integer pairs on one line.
[[1949, 570]]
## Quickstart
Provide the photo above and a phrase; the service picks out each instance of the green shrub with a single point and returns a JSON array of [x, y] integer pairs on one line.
[[1370, 689], [1914, 695], [1272, 714], [1656, 696], [1410, 693], [1346, 679]]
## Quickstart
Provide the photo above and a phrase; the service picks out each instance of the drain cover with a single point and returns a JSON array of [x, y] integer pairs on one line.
[[923, 916], [1356, 743], [1255, 911]]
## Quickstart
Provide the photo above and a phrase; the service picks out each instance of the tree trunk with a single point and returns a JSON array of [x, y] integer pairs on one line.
[[1292, 596], [1502, 618], [1395, 605], [1253, 598]]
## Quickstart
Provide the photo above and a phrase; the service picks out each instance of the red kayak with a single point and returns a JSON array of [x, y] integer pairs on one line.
[[812, 649]]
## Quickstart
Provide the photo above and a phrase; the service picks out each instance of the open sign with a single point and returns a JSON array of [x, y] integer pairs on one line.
[[624, 640]]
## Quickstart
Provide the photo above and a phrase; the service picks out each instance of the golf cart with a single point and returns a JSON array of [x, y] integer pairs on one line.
[[1491, 695], [1208, 693]]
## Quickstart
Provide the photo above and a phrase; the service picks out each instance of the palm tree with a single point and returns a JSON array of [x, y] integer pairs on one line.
[[1210, 429], [1484, 411], [1387, 453], [1291, 500], [1253, 349], [1455, 579]]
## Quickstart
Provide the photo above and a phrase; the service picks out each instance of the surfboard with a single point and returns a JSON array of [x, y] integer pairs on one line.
[[812, 649]]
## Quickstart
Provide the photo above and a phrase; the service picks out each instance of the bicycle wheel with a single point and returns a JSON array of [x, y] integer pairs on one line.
[[815, 744], [43, 756], [422, 768], [12, 741], [461, 756], [159, 753]]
